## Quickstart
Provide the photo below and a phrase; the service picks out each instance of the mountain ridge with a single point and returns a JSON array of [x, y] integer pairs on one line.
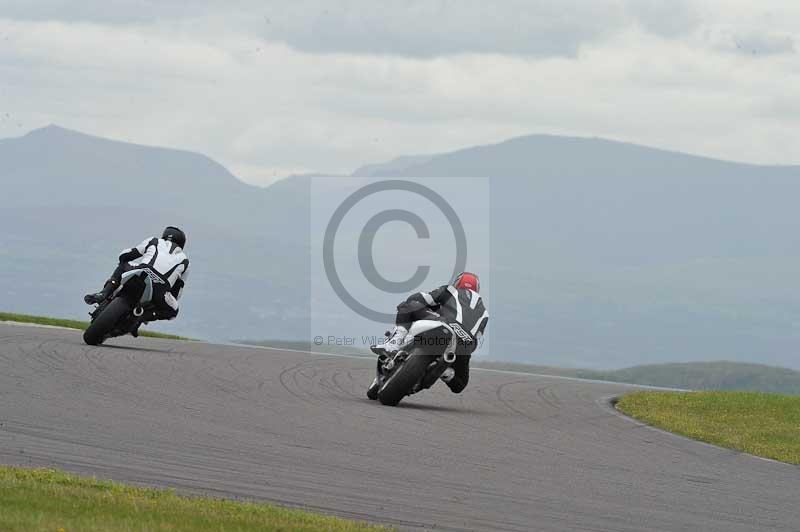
[[382, 171], [605, 254], [404, 162]]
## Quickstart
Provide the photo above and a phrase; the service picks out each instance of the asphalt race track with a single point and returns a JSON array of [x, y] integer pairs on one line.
[[513, 452]]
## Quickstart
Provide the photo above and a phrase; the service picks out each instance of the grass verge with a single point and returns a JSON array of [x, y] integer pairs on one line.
[[74, 324], [762, 424], [33, 500]]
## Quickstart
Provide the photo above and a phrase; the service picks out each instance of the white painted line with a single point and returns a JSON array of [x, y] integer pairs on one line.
[[368, 357], [579, 379], [487, 370], [251, 346]]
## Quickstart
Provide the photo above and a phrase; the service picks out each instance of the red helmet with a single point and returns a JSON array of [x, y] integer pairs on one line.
[[467, 281]]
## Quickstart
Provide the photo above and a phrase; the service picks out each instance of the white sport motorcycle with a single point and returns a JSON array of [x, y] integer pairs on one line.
[[430, 347]]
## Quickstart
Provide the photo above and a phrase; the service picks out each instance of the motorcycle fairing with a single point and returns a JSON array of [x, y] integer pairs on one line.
[[421, 327], [148, 276]]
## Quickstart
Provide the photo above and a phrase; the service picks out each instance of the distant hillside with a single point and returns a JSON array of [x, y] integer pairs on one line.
[[607, 254], [720, 375], [399, 164], [72, 201], [58, 167], [604, 254]]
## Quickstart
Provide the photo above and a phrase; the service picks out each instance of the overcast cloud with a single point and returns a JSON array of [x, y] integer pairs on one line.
[[271, 88]]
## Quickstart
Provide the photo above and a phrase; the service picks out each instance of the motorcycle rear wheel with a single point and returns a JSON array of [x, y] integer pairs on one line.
[[402, 381], [96, 333]]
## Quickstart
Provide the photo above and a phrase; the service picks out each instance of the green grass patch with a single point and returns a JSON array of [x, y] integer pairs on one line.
[[33, 500], [74, 324], [762, 424]]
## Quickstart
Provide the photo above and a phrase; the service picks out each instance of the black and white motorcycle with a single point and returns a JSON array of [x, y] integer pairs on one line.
[[119, 314], [430, 347]]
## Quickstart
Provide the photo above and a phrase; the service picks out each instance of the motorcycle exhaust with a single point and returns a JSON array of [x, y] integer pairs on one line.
[[450, 357], [138, 311]]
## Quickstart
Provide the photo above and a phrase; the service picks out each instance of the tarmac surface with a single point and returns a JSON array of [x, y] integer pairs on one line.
[[513, 452]]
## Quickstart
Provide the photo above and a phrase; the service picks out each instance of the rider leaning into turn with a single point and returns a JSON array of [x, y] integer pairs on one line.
[[166, 257], [458, 301]]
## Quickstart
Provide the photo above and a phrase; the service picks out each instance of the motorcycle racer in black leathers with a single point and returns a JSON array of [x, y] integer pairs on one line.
[[459, 301]]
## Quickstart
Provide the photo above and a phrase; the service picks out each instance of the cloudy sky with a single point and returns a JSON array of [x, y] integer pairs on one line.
[[271, 88]]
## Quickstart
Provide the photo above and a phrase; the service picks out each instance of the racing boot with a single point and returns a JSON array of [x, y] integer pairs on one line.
[[446, 376], [392, 343], [102, 295]]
